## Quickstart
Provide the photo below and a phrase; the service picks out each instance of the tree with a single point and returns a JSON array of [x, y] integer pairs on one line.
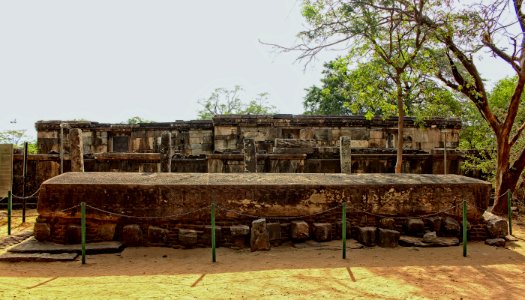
[[451, 34], [393, 44], [477, 134], [17, 138], [137, 120], [226, 102], [361, 88]]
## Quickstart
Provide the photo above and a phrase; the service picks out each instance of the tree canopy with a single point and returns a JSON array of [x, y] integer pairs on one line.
[[227, 102]]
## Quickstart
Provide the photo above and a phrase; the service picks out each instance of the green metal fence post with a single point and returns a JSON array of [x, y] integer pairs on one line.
[[83, 229], [9, 211], [509, 204], [465, 228], [213, 256], [344, 229]]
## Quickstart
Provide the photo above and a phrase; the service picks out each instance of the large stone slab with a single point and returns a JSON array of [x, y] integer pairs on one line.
[[410, 241], [38, 257], [31, 245], [259, 239]]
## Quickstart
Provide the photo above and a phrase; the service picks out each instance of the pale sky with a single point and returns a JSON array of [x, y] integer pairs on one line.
[[107, 61]]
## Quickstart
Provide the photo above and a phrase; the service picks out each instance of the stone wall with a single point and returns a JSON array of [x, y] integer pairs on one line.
[[176, 206], [225, 134]]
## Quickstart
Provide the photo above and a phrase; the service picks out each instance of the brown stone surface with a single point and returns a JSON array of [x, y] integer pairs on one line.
[[42, 231], [299, 230], [132, 235], [38, 257], [31, 245], [387, 238], [259, 239], [76, 150], [322, 232]]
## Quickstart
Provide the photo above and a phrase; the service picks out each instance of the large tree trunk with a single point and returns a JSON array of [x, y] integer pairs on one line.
[[506, 177], [400, 127]]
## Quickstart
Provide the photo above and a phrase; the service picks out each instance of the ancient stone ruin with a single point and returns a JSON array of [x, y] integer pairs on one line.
[[254, 210]]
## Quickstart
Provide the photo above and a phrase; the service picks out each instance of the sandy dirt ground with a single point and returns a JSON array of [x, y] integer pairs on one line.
[[284, 272]]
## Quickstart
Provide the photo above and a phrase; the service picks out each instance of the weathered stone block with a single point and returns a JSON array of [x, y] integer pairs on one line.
[[496, 225], [387, 223], [132, 235], [387, 238], [239, 230], [299, 230], [367, 236], [259, 239], [294, 143], [430, 237], [157, 234], [450, 227], [76, 152], [322, 232], [207, 235], [106, 232], [274, 231], [73, 234], [415, 226], [188, 237], [434, 223], [42, 231], [497, 242]]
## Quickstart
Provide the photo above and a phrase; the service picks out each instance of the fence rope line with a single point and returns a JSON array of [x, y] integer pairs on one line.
[[147, 218], [27, 197], [276, 217]]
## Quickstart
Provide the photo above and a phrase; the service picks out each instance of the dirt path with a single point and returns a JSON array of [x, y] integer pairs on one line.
[[283, 272]]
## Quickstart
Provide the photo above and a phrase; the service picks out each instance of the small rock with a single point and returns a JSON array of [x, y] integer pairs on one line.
[[300, 230], [435, 223], [496, 225], [451, 227], [511, 238], [73, 234], [106, 232], [388, 238], [188, 237], [157, 234], [274, 231], [415, 226], [387, 223], [430, 237], [237, 230], [259, 239], [367, 236], [322, 232], [132, 235], [497, 242], [42, 231]]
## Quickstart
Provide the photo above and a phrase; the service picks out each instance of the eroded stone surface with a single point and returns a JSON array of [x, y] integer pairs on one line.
[[188, 237], [497, 242], [132, 235], [367, 236], [496, 225], [450, 226], [410, 241], [387, 238], [259, 239], [42, 231], [300, 230], [157, 234], [415, 226], [322, 232]]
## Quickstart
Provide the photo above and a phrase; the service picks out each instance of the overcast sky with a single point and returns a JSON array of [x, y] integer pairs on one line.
[[108, 61]]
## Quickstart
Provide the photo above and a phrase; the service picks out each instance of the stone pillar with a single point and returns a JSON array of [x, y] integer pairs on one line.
[[250, 156], [345, 151], [165, 152], [76, 152]]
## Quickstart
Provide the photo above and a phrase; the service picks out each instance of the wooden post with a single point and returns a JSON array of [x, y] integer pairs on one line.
[[9, 211], [213, 256], [465, 228], [509, 204]]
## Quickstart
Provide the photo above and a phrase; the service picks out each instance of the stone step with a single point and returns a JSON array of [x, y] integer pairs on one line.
[[31, 245], [37, 257]]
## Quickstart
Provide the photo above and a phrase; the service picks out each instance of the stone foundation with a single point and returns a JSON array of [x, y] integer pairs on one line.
[[154, 209]]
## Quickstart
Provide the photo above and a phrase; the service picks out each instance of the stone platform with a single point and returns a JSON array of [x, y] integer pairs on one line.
[[141, 198]]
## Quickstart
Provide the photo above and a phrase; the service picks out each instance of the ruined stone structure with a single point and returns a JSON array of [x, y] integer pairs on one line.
[[283, 144], [164, 209]]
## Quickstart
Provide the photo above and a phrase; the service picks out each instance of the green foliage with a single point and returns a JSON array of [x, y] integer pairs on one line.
[[367, 90], [227, 102], [477, 134], [17, 138], [137, 120]]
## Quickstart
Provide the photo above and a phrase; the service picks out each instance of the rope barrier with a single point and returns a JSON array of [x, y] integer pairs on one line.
[[27, 197], [147, 218]]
